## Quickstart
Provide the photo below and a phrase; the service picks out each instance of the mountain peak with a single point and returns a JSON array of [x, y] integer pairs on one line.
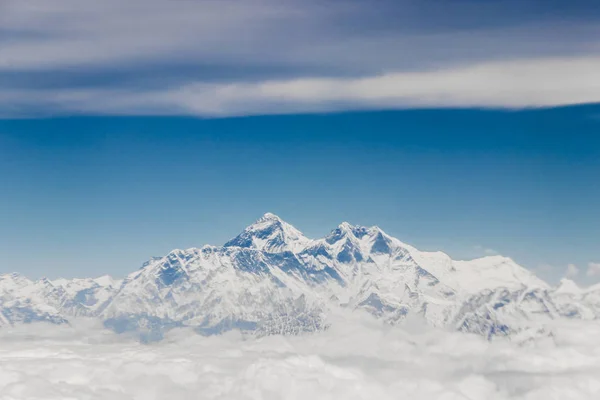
[[270, 234], [269, 217], [567, 286], [345, 226], [271, 279], [347, 230]]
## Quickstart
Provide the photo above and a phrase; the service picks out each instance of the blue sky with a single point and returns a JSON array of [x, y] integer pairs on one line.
[[92, 195], [131, 128]]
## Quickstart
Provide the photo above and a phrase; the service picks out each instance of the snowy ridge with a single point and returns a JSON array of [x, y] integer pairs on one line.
[[270, 234], [272, 279]]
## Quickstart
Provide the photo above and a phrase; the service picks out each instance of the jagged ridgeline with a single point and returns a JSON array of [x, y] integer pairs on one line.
[[271, 279]]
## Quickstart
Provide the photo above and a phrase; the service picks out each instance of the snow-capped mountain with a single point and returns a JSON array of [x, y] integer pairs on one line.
[[272, 279], [270, 234]]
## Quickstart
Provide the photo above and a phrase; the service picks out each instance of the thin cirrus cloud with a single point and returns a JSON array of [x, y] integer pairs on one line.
[[572, 271], [485, 250], [503, 84], [593, 269], [220, 58]]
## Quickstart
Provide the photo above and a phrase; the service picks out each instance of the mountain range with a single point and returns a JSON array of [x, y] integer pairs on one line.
[[271, 279]]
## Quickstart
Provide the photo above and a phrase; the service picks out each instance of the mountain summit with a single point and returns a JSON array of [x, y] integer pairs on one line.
[[272, 279], [270, 234]]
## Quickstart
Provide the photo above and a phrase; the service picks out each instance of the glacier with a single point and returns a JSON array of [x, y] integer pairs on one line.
[[271, 279]]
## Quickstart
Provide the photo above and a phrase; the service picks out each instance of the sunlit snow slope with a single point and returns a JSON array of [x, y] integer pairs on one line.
[[271, 279]]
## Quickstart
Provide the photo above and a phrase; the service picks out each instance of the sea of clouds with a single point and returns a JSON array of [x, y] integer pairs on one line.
[[354, 359]]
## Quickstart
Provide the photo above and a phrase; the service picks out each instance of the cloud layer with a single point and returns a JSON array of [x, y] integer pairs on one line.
[[354, 360], [215, 58], [534, 83]]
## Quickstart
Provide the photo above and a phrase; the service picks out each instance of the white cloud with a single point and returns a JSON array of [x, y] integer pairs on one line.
[[593, 269], [294, 49], [523, 83], [512, 84], [354, 360], [70, 33], [572, 271], [485, 250]]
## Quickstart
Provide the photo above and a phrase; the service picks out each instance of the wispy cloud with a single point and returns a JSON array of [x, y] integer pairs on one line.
[[572, 271], [485, 250], [593, 269], [228, 57], [531, 83]]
